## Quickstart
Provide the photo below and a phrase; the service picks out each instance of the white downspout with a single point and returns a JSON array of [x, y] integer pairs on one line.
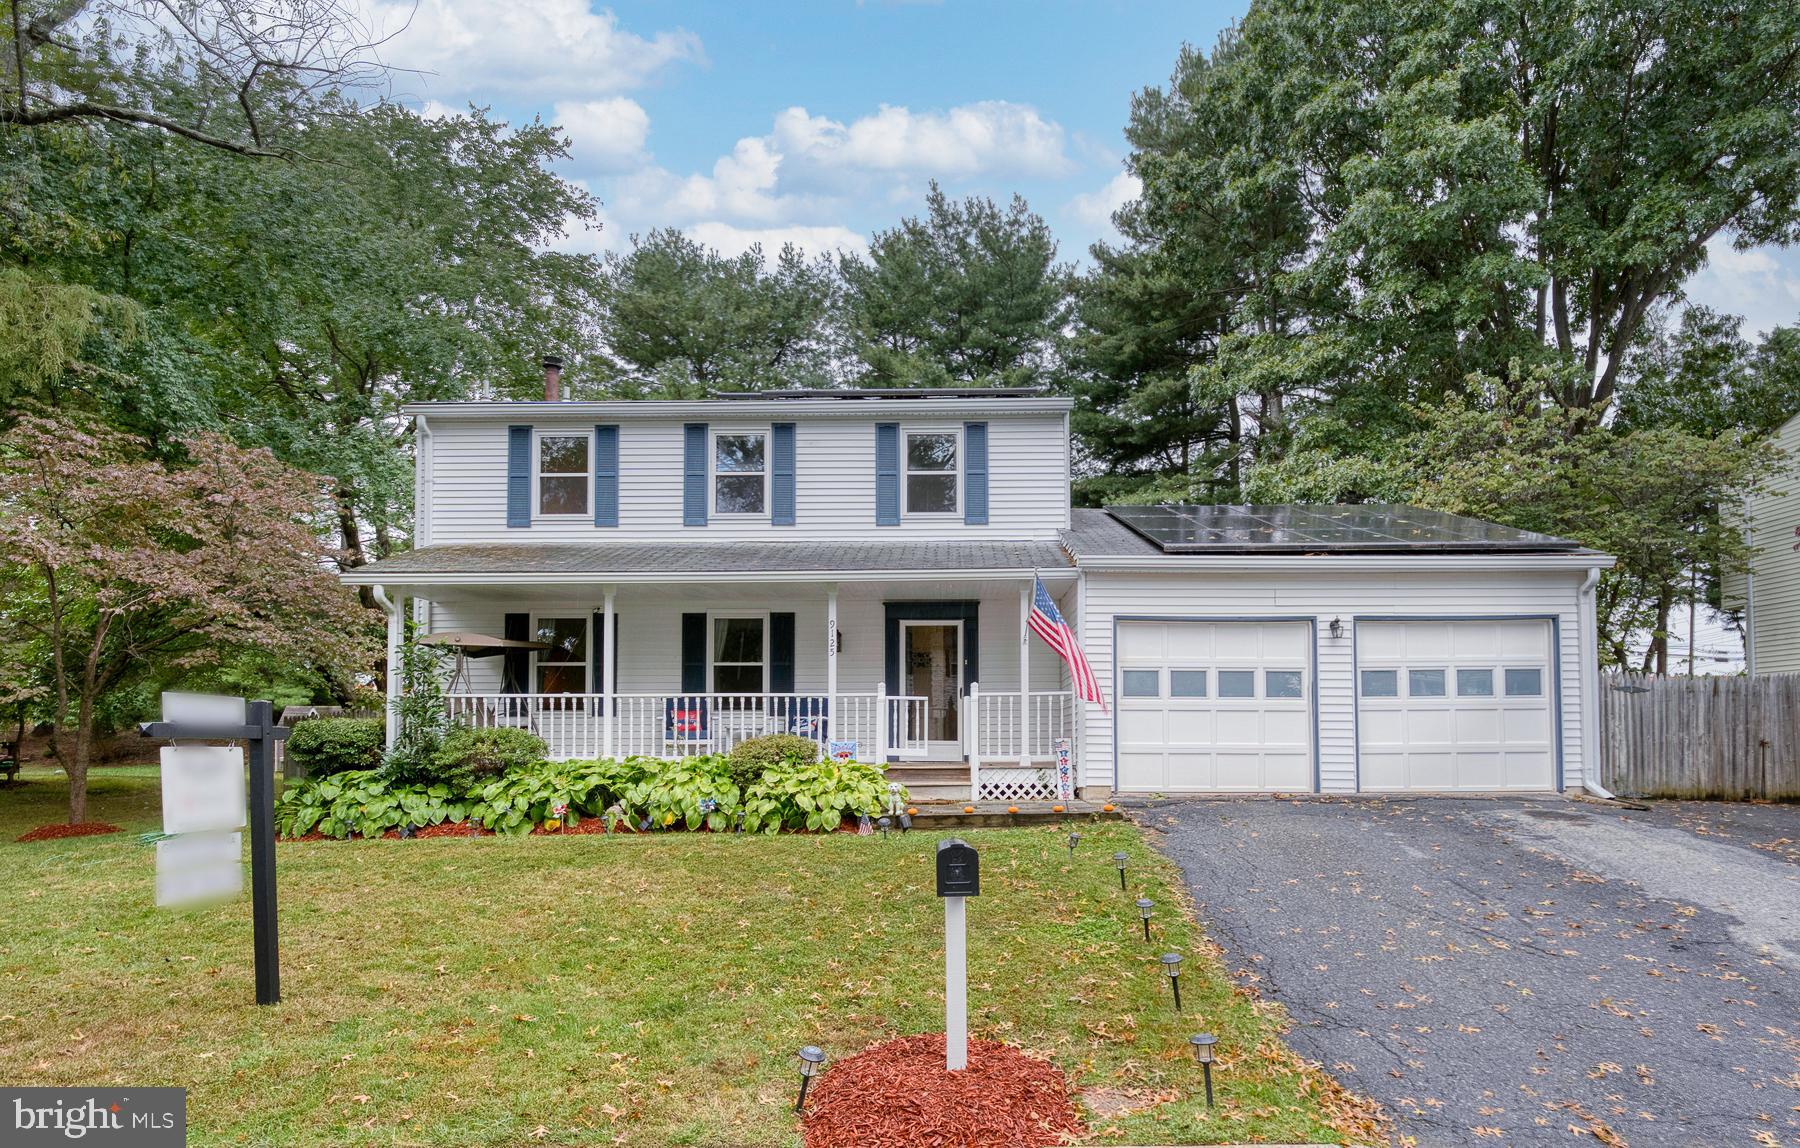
[[1589, 646], [396, 632]]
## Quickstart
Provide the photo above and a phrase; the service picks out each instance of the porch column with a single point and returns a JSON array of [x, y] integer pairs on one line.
[[608, 671], [1025, 592], [396, 634], [831, 632]]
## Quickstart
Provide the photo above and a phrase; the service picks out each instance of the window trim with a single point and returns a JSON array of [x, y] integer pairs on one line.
[[713, 473], [538, 435], [587, 640], [906, 472], [713, 616]]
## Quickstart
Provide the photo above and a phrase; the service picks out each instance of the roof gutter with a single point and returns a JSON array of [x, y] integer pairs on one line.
[[752, 408], [1306, 563], [371, 576]]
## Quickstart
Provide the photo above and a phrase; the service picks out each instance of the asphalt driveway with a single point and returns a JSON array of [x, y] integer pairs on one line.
[[1521, 971]]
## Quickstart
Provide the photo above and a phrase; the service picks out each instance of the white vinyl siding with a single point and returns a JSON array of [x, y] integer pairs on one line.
[[1028, 484], [1772, 600], [1321, 597]]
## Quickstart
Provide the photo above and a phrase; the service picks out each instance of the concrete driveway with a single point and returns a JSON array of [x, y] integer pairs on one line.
[[1520, 971]]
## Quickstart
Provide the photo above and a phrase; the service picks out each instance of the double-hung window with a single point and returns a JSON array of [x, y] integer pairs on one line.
[[739, 654], [564, 474], [931, 468], [740, 473], [563, 667]]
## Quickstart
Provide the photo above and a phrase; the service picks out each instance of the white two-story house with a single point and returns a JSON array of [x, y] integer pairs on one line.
[[671, 577]]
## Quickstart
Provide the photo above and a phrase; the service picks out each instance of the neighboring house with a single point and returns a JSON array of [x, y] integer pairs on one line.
[[1769, 595], [858, 565]]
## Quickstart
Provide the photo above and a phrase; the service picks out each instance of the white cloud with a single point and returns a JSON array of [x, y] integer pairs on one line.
[[730, 240], [992, 137], [1094, 209], [605, 135], [532, 49], [1761, 284]]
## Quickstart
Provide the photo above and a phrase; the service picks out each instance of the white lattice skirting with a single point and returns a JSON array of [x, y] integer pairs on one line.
[[1018, 784]]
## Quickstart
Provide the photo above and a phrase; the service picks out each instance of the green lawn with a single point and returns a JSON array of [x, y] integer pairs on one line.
[[587, 990]]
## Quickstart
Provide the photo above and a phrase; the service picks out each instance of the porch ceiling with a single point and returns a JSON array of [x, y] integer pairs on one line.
[[711, 562]]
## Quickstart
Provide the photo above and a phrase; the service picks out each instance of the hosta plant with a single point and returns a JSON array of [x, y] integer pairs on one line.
[[361, 802], [816, 796]]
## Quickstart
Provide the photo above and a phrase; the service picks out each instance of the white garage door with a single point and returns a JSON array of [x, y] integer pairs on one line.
[[1454, 705], [1214, 706]]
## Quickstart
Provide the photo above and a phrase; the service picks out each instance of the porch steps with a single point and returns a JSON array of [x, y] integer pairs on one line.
[[932, 780], [994, 815]]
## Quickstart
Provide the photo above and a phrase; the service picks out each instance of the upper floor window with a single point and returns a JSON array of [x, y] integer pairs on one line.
[[740, 473], [931, 473], [563, 474]]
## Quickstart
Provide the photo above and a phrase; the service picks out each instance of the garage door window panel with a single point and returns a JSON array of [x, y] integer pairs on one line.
[[1284, 684], [1524, 683], [1143, 684], [1381, 683], [1425, 683], [1187, 683], [1475, 683], [1237, 683]]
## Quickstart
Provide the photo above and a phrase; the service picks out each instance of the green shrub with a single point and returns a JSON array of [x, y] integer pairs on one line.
[[689, 791], [320, 747], [816, 796], [528, 796], [362, 802], [749, 758], [470, 756]]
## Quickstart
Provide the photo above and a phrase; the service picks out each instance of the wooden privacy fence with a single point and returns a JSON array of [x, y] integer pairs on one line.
[[1701, 737]]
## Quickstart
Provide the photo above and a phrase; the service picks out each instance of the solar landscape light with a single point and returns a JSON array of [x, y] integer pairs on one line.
[[811, 1057], [885, 823], [1074, 840], [1120, 860], [1203, 1055], [905, 823], [1144, 905], [1171, 963]]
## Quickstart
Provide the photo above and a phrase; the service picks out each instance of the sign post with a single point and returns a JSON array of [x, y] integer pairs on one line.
[[958, 877], [203, 789]]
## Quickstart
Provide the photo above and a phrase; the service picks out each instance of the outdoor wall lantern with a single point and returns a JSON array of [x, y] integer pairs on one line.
[[1336, 628], [885, 823], [1144, 905], [1203, 1055], [1120, 860], [1074, 840], [1171, 963], [905, 823], [811, 1057]]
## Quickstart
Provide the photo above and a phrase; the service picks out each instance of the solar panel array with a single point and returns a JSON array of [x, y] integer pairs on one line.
[[1369, 528]]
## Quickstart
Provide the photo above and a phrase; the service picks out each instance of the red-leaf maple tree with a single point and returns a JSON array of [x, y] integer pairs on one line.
[[112, 559]]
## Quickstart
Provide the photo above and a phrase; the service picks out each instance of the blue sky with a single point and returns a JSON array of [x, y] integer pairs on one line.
[[823, 122]]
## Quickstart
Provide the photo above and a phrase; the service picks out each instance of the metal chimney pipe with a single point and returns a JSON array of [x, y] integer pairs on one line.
[[553, 378]]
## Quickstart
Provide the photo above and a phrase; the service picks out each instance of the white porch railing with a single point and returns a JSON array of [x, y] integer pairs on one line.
[[1012, 743], [576, 726]]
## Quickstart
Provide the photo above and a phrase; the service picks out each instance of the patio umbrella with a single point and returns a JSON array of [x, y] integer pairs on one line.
[[469, 645]]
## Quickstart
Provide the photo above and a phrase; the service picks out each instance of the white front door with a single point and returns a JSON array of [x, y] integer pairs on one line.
[[931, 668], [1214, 707], [1455, 705]]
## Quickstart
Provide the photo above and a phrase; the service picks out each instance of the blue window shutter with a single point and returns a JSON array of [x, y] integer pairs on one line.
[[693, 653], [606, 476], [781, 653], [518, 476], [781, 476], [975, 474], [887, 474], [693, 476]]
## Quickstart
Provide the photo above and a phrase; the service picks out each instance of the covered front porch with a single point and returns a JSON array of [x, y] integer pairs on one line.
[[926, 673]]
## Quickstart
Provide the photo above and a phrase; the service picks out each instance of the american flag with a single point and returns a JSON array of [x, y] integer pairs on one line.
[[1047, 623]]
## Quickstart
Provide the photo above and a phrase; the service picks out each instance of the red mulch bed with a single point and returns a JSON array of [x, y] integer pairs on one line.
[[56, 832], [897, 1095]]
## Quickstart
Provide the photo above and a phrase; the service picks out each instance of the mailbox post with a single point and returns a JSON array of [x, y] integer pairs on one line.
[[958, 877]]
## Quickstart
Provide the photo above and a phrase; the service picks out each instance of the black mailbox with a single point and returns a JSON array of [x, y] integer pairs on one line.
[[958, 869]]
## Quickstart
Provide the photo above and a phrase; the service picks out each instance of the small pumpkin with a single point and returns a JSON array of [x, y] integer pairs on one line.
[[912, 811], [1107, 808], [968, 809], [1056, 809], [1012, 809]]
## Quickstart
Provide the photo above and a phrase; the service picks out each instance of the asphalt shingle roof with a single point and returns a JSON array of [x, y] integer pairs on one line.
[[732, 557]]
